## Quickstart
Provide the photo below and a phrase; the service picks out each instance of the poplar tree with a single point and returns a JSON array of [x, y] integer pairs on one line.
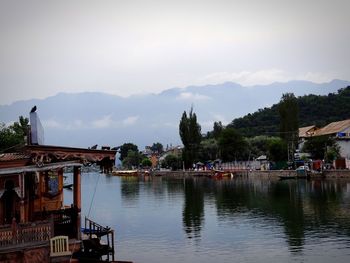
[[190, 133], [289, 122]]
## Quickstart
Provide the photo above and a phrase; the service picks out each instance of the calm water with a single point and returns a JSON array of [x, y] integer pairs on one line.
[[204, 220]]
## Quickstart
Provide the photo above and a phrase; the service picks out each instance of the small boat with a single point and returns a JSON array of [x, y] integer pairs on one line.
[[302, 172], [125, 172], [287, 177], [222, 174]]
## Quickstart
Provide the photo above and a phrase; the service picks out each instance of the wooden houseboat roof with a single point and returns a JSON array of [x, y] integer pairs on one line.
[[41, 157], [70, 153]]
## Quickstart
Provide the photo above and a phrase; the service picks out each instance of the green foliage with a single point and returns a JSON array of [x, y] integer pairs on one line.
[[258, 145], [232, 145], [172, 161], [289, 122], [322, 147], [289, 117], [208, 150], [21, 127], [157, 147], [332, 153], [190, 133], [13, 135], [277, 150], [263, 122], [133, 159], [313, 110], [217, 129], [125, 148], [146, 162]]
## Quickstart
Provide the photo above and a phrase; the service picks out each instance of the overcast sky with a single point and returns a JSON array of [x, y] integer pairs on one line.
[[127, 47]]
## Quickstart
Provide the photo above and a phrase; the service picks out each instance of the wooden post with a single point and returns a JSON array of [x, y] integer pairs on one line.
[[77, 198], [21, 211], [113, 245]]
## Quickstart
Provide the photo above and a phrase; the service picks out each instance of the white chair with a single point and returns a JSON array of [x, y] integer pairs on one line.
[[59, 246]]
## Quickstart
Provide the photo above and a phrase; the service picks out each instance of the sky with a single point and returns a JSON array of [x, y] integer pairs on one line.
[[139, 46]]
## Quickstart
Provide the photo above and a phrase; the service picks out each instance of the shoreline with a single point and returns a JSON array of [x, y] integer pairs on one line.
[[273, 174]]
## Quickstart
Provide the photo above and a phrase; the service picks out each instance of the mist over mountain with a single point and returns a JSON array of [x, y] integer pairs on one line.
[[85, 119]]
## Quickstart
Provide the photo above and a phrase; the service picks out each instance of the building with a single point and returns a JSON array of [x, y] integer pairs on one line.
[[172, 150], [339, 130], [305, 133]]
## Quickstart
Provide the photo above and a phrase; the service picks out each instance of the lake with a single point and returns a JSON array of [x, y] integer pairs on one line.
[[158, 219]]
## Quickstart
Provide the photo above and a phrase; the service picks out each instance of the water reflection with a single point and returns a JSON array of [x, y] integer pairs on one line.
[[130, 189], [193, 211], [300, 213]]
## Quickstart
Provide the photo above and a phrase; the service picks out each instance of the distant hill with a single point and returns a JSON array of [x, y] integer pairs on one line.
[[316, 110], [85, 119]]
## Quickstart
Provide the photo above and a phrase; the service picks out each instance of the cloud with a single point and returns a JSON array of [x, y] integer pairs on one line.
[[51, 123], [104, 122], [54, 124], [192, 96], [208, 124], [130, 120], [263, 77]]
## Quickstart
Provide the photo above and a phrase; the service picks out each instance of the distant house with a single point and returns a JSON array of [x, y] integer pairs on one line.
[[154, 160], [173, 150], [305, 133], [340, 130]]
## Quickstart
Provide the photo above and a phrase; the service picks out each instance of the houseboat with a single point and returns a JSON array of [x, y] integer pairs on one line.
[[35, 225]]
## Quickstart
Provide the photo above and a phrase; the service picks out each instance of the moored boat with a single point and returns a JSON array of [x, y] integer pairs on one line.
[[125, 172]]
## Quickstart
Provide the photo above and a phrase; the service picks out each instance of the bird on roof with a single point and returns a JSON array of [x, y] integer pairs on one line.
[[33, 109], [94, 147]]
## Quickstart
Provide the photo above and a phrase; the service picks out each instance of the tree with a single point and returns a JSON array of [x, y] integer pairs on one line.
[[217, 129], [125, 148], [13, 135], [171, 161], [146, 162], [258, 145], [157, 147], [21, 127], [232, 145], [133, 158], [190, 133], [208, 150], [289, 122], [322, 147], [277, 150]]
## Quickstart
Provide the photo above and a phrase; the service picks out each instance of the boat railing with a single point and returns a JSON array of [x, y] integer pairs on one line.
[[16, 235], [96, 231], [64, 220]]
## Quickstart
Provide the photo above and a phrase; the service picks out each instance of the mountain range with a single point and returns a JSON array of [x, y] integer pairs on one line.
[[85, 119]]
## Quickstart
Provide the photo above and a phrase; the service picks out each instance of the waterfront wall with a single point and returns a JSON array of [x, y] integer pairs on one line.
[[270, 174], [337, 174], [276, 173]]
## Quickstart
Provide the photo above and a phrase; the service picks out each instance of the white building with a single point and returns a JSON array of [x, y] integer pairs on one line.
[[340, 130]]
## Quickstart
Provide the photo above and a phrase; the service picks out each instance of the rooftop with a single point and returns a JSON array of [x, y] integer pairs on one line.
[[334, 127], [307, 131]]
